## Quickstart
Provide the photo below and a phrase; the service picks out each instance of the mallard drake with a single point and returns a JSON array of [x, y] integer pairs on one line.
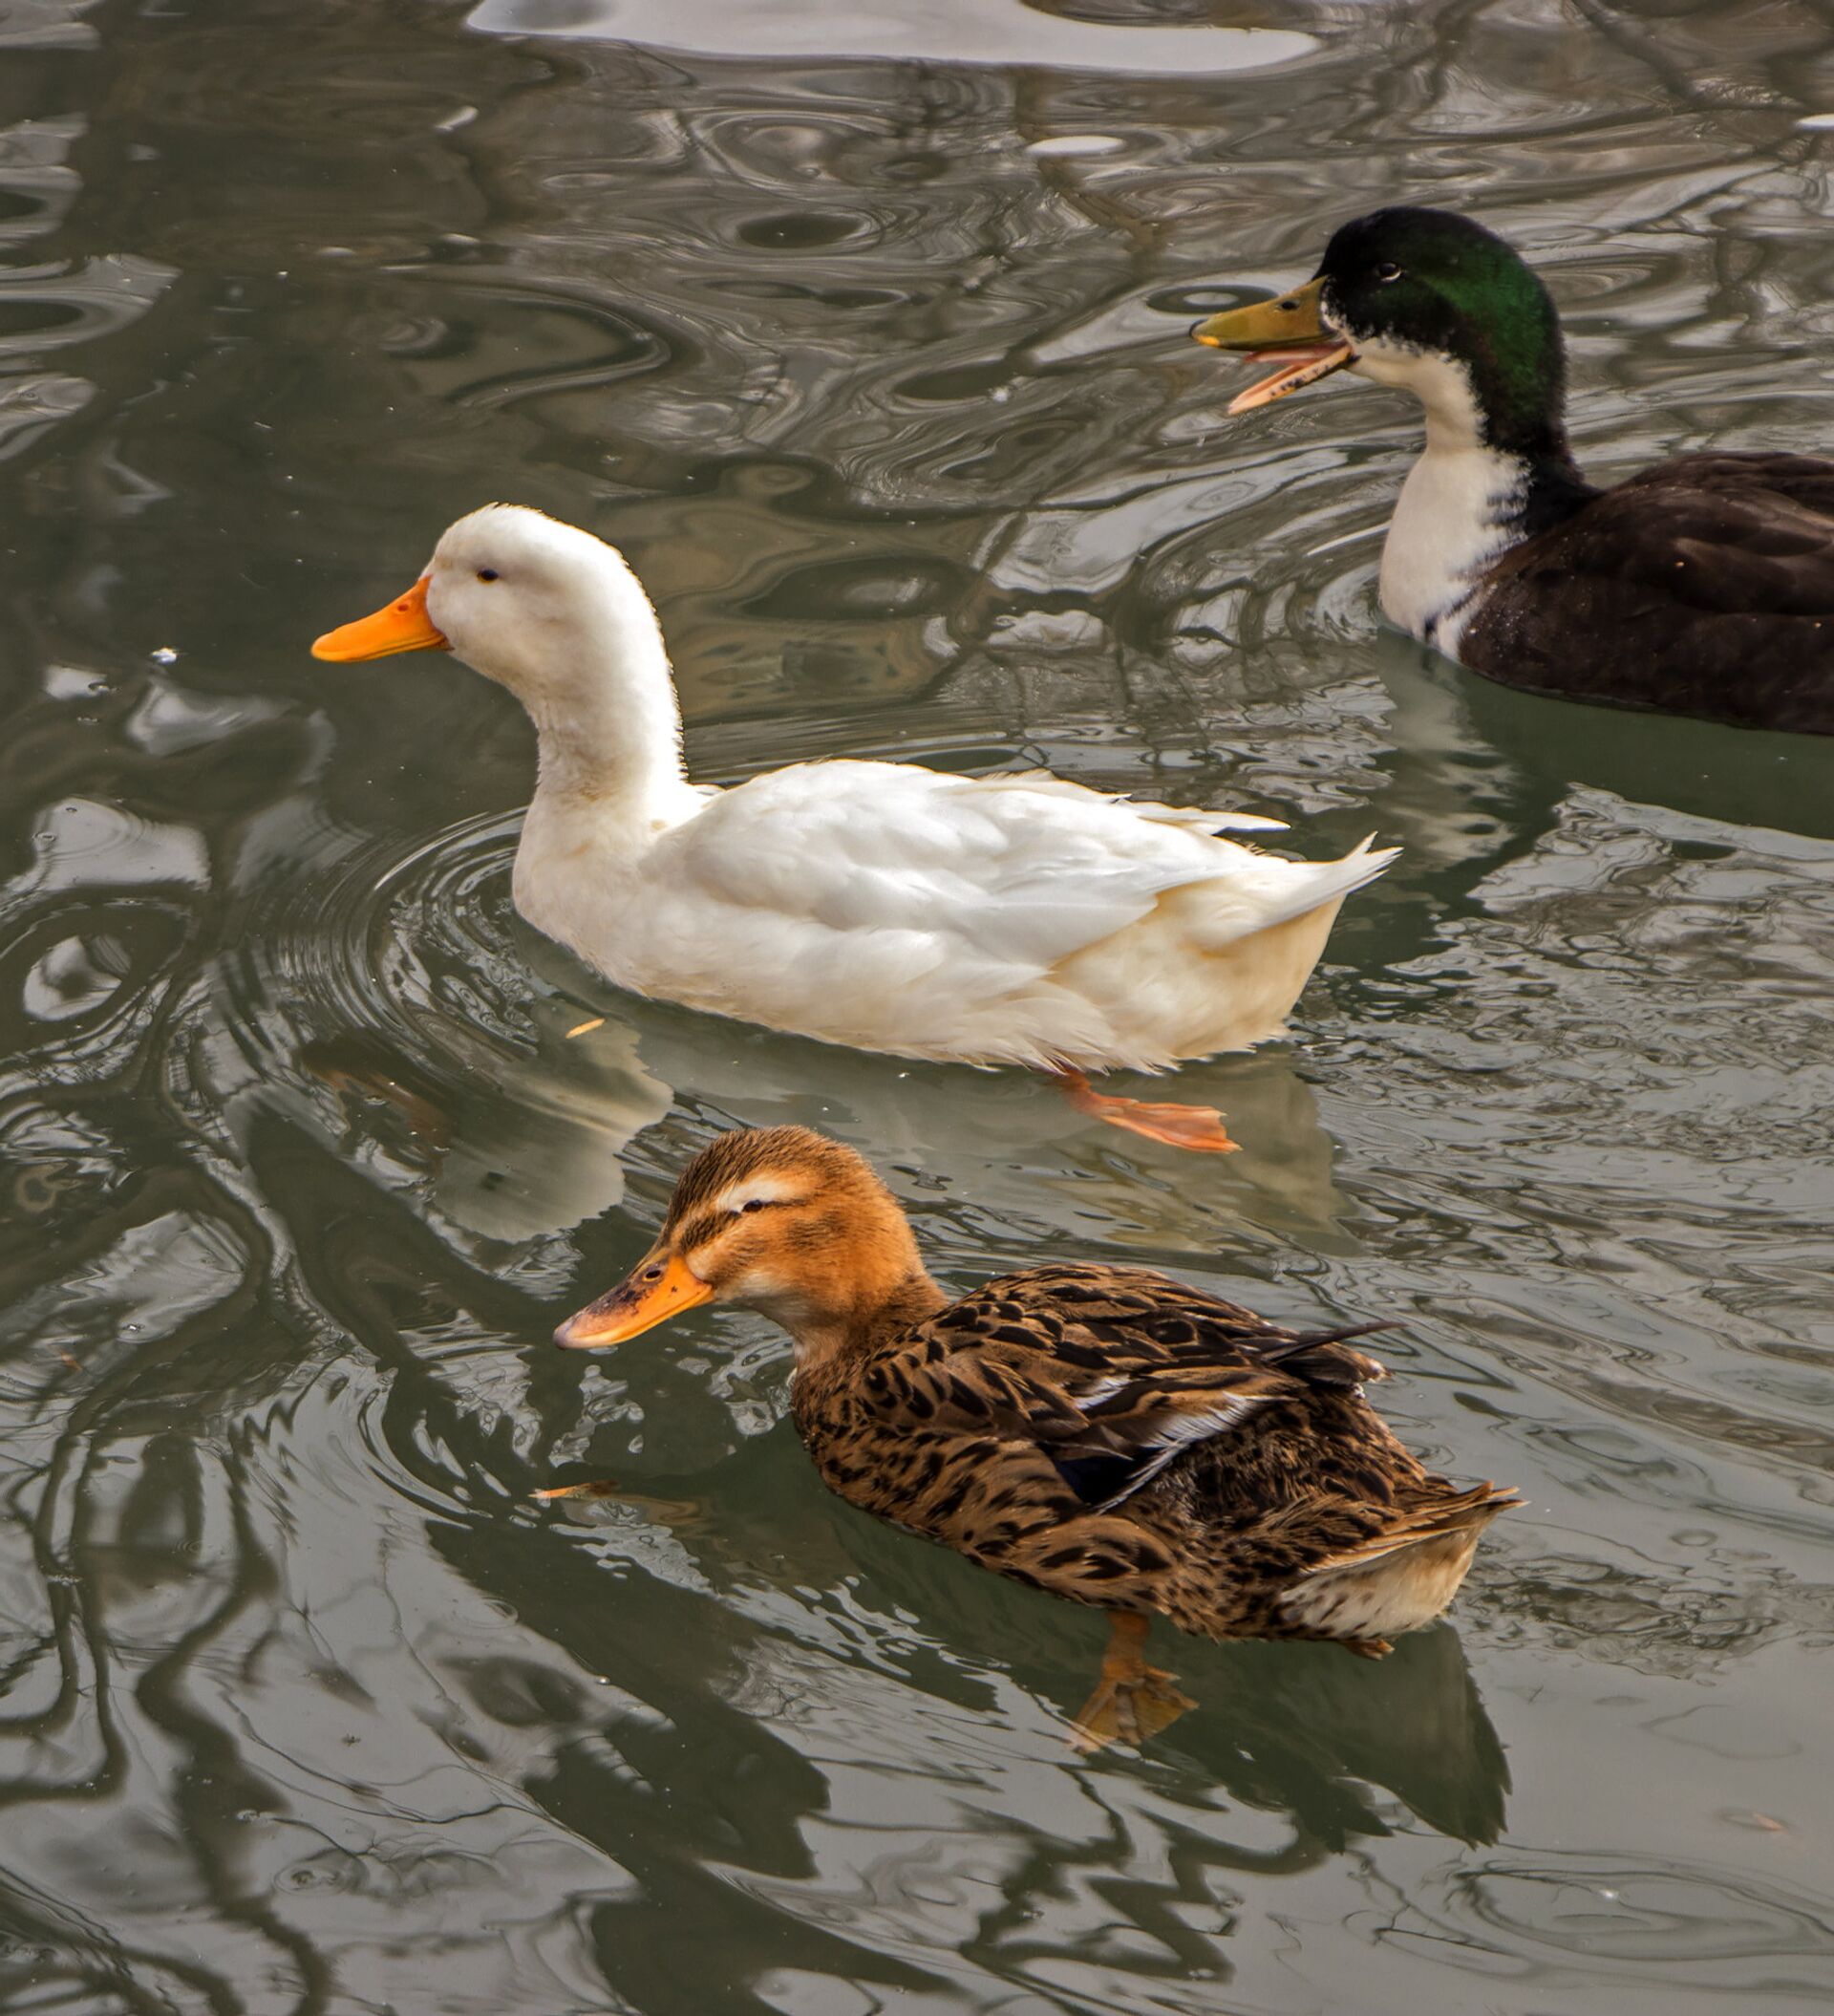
[[1704, 586], [1016, 919], [1104, 1433]]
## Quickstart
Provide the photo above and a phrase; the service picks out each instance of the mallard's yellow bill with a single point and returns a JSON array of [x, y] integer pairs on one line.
[[661, 1287], [1288, 331], [403, 625]]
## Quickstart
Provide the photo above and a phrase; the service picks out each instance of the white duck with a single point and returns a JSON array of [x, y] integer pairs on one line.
[[1006, 920]]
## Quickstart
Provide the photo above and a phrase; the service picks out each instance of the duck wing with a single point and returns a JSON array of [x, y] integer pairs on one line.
[[1111, 1372], [1025, 871], [905, 909], [1733, 533], [1703, 586]]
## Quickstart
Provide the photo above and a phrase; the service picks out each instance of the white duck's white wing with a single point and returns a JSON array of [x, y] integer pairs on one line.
[[1023, 870], [902, 909], [1202, 819]]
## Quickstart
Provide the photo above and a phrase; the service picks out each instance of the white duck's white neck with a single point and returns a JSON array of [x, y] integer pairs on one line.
[[597, 685], [616, 747], [1462, 507]]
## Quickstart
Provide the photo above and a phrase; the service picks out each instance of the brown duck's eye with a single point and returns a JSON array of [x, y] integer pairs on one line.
[[750, 1204], [486, 573], [1388, 270]]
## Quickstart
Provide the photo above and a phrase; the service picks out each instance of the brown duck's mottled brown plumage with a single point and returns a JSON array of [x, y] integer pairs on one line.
[[1116, 1437], [1105, 1433]]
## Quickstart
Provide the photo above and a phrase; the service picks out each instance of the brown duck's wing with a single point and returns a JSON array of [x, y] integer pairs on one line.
[[1704, 586], [1110, 1372]]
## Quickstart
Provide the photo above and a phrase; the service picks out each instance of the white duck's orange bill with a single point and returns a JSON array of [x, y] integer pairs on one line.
[[1300, 366], [403, 625], [660, 1287]]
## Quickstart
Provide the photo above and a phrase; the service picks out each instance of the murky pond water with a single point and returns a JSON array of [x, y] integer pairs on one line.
[[875, 364]]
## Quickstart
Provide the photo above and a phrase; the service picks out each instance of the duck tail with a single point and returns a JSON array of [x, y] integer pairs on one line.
[[1322, 882], [1446, 1513], [1364, 862]]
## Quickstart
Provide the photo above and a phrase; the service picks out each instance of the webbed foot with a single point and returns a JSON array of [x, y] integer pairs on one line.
[[1132, 1702], [1199, 1129]]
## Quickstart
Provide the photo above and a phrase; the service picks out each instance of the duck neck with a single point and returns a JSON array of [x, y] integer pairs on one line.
[[609, 735], [1497, 469], [827, 1343], [1513, 408]]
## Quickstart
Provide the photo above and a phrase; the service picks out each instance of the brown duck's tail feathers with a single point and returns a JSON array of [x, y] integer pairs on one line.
[[1459, 1513], [1400, 1579]]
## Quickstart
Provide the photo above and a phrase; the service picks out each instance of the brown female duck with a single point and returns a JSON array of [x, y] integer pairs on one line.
[[1105, 1433]]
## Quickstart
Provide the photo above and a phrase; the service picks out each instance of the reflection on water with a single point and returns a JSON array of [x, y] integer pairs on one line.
[[1111, 40], [878, 369]]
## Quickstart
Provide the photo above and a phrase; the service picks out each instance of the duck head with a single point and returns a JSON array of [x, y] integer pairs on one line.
[[530, 602], [1426, 300], [777, 1219], [556, 615]]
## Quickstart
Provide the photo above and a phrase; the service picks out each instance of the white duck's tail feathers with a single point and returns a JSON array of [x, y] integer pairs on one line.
[[1322, 882]]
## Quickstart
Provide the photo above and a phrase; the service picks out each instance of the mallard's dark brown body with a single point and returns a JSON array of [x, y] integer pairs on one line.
[[1116, 1437], [1704, 586]]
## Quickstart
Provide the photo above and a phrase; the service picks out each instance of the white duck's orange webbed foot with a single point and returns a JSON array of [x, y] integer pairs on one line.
[[1199, 1129], [1132, 1702]]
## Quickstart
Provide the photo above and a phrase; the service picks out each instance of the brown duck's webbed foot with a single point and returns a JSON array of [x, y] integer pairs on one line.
[[590, 1487], [1197, 1128], [1132, 1702]]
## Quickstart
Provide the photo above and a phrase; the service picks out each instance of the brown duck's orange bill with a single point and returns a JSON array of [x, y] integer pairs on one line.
[[661, 1287], [403, 625]]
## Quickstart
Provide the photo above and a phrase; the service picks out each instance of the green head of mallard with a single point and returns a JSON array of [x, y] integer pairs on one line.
[[1423, 299]]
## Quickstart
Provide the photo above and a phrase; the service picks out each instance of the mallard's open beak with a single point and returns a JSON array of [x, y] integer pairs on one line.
[[403, 625], [1288, 331], [662, 1286]]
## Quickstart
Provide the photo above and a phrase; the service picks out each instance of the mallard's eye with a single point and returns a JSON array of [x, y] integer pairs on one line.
[[1388, 270], [486, 573], [750, 1204]]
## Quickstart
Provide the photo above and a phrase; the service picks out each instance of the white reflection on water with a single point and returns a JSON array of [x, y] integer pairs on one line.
[[990, 32]]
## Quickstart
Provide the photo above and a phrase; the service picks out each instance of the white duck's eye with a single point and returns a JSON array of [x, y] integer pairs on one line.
[[486, 573], [1388, 270]]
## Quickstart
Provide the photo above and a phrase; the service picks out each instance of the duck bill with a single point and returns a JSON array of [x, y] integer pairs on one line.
[[1289, 333], [404, 624], [659, 1287]]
